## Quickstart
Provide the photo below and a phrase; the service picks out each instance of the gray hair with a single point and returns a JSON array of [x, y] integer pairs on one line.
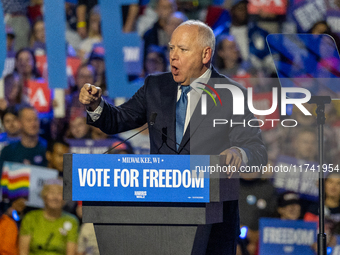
[[206, 35]]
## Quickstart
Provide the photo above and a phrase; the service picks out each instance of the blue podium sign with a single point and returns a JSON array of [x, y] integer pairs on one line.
[[292, 237], [148, 178]]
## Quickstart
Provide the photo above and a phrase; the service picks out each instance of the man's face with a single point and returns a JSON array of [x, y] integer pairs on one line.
[[165, 8], [332, 187], [25, 63], [56, 158], [305, 146], [78, 127], [290, 212], [11, 124], [187, 58], [29, 122], [54, 198], [85, 75]]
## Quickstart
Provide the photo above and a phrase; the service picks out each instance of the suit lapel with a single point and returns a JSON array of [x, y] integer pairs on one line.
[[169, 99], [197, 118]]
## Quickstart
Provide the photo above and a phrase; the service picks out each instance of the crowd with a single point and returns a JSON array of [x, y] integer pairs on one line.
[[30, 136]]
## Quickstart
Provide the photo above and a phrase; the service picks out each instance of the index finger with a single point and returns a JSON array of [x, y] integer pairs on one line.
[[88, 87]]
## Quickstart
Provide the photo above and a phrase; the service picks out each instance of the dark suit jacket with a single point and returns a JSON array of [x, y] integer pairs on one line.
[[159, 95]]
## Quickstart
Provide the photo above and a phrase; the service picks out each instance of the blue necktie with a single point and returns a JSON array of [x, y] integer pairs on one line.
[[181, 110]]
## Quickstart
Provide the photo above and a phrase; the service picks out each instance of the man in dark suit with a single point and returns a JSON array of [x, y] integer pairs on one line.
[[179, 130]]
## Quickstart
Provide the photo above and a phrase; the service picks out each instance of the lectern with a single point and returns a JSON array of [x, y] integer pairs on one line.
[[150, 204]]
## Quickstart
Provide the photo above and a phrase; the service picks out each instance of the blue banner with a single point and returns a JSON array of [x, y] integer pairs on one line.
[[56, 43], [152, 178], [121, 49], [294, 237], [3, 44]]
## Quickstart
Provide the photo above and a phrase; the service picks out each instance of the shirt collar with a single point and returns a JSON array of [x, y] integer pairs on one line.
[[202, 79]]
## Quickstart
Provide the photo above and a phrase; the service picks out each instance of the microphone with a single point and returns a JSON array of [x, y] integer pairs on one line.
[[165, 136], [152, 120]]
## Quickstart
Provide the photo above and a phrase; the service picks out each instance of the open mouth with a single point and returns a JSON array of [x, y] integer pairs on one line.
[[174, 70]]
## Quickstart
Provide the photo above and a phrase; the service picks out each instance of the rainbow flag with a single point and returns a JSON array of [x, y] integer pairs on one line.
[[15, 181]]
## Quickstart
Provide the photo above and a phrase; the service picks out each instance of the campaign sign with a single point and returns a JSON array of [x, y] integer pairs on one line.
[[278, 7], [20, 180], [293, 237], [147, 178], [39, 95], [296, 175], [89, 146], [72, 65]]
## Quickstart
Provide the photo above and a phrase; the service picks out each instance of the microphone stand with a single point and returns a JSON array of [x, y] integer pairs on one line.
[[152, 122], [320, 101]]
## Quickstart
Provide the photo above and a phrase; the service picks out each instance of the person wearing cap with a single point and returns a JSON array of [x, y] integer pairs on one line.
[[96, 59], [49, 230], [289, 207]]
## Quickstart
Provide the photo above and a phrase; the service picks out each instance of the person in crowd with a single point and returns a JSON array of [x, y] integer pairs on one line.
[[13, 91], [94, 34], [8, 235], [83, 13], [25, 67], [11, 124], [250, 38], [35, 10], [55, 154], [78, 128], [322, 27], [10, 57], [131, 18], [10, 40], [96, 60], [147, 18], [305, 144], [157, 34], [30, 149], [85, 73], [257, 199], [72, 37], [38, 40], [97, 134], [332, 199], [228, 60], [155, 60], [49, 230], [288, 206], [16, 11], [174, 21]]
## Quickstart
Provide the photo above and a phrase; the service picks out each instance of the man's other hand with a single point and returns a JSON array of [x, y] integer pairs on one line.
[[90, 96], [233, 158]]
